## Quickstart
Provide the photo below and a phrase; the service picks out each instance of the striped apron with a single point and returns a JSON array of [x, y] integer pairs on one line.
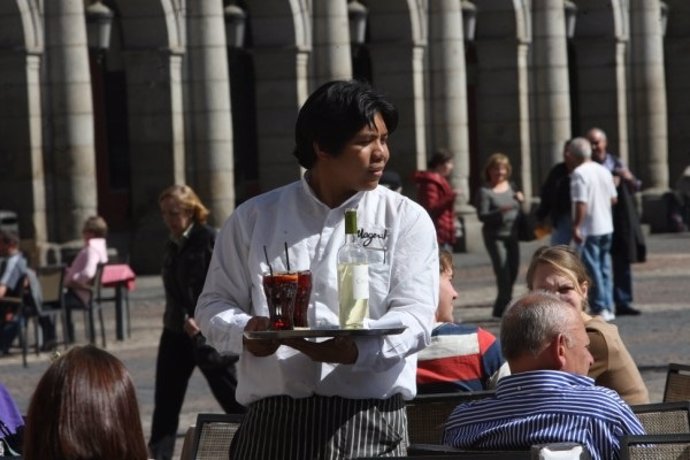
[[321, 427]]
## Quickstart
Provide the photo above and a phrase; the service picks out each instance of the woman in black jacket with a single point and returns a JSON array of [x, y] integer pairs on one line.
[[182, 347]]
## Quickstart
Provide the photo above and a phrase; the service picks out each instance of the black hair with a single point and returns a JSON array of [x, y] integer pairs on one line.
[[441, 156], [9, 236], [334, 113]]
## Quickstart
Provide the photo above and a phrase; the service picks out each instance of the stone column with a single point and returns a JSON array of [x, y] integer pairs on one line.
[[71, 150], [448, 109], [331, 42], [503, 105], [551, 87], [157, 145], [22, 180], [36, 175], [399, 71], [523, 120], [649, 152], [281, 88], [622, 99], [210, 112]]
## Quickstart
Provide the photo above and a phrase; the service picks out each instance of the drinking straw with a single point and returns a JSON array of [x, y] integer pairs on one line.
[[270, 269], [287, 256]]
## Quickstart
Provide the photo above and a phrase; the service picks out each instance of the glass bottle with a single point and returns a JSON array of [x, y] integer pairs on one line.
[[353, 277]]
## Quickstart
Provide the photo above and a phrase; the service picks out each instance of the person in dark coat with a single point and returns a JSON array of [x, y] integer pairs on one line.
[[554, 202], [182, 347], [628, 244]]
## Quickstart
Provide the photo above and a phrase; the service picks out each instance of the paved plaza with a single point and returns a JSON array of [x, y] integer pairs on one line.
[[659, 336]]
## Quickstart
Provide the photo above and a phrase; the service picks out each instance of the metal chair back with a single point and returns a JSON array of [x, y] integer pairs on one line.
[[213, 435], [427, 414], [655, 447], [677, 383], [664, 418]]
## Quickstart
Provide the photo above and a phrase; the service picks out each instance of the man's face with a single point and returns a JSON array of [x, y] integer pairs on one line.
[[360, 164], [578, 359], [598, 146], [446, 295]]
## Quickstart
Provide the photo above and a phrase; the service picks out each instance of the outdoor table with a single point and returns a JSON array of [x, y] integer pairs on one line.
[[122, 278]]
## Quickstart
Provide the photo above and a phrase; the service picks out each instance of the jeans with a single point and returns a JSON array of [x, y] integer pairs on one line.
[[562, 232], [596, 256], [505, 260]]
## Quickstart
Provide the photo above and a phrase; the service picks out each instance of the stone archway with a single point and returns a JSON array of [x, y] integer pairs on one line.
[[398, 48], [153, 47], [502, 43], [677, 62], [601, 43], [22, 183], [281, 48]]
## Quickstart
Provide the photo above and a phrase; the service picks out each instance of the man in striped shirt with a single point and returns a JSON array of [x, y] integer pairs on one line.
[[548, 397]]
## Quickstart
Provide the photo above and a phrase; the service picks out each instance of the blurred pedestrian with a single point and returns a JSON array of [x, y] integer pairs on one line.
[[498, 204], [554, 202], [182, 346], [628, 243], [593, 194], [436, 195]]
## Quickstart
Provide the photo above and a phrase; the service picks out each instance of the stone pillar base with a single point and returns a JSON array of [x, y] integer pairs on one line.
[[471, 240], [655, 211]]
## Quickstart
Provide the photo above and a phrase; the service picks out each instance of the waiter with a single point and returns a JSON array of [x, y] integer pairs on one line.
[[341, 397]]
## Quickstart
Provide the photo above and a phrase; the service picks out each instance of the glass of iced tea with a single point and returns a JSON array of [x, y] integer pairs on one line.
[[280, 289], [299, 315]]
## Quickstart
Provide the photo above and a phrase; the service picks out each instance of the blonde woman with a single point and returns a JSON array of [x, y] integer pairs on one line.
[[558, 269], [497, 207], [182, 347]]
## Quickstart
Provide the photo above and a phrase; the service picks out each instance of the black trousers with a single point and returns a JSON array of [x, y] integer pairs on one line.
[[174, 367]]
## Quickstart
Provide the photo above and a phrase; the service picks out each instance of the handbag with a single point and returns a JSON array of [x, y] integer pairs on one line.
[[208, 358], [526, 226]]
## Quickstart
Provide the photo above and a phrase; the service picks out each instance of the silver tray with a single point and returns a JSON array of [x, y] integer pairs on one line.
[[310, 333]]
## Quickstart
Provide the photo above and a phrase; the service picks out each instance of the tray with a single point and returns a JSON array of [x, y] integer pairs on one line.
[[309, 333]]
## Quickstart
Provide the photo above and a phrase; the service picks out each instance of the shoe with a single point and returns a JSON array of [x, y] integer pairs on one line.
[[627, 311], [49, 345], [607, 315]]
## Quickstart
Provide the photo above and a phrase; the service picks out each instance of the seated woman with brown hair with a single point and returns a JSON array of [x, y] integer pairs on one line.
[[84, 408], [559, 270]]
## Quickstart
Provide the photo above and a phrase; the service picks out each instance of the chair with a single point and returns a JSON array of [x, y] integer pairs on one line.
[[51, 278], [13, 307], [427, 413], [677, 383], [655, 447], [664, 418], [559, 450], [430, 451], [96, 305], [213, 435], [41, 297]]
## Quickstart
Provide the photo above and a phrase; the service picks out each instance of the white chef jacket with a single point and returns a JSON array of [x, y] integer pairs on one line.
[[403, 289]]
